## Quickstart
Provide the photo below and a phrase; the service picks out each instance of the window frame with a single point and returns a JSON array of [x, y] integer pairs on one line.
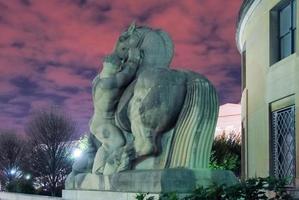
[[291, 31], [274, 163]]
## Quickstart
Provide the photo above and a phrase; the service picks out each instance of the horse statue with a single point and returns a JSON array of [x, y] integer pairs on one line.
[[146, 115]]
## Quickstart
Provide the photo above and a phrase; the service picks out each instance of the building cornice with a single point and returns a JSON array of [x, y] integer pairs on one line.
[[247, 8]]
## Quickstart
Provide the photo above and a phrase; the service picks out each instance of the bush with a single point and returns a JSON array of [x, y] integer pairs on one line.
[[251, 189], [20, 186], [226, 153]]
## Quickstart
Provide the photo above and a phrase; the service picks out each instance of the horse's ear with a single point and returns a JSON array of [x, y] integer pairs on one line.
[[132, 28]]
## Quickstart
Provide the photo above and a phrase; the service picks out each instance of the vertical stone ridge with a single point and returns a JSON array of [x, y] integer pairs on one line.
[[196, 118], [194, 132], [202, 156], [175, 158], [198, 132]]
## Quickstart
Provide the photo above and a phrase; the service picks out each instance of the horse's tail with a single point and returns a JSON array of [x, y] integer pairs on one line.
[[194, 132]]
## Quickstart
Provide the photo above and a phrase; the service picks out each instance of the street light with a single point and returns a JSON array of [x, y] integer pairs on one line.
[[77, 153], [13, 171], [27, 177]]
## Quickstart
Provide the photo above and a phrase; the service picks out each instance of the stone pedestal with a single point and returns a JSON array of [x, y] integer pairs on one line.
[[126, 185], [99, 195]]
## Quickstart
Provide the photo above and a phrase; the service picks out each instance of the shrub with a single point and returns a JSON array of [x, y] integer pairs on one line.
[[251, 189], [166, 196], [226, 153], [20, 186]]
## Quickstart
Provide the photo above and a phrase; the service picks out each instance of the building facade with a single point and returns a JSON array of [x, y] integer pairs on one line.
[[267, 39]]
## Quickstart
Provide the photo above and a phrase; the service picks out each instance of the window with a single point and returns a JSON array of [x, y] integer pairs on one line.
[[287, 28], [282, 30], [283, 142]]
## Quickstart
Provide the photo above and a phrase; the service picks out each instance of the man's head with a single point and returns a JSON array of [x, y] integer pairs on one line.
[[111, 65]]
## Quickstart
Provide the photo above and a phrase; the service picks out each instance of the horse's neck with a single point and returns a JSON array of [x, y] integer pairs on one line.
[[145, 67]]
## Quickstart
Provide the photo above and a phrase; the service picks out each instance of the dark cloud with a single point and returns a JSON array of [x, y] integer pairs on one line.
[[26, 86], [150, 11], [86, 73], [6, 98], [235, 74], [25, 2], [104, 7], [55, 99], [18, 44], [100, 18], [1, 19], [40, 65], [80, 3], [227, 92], [70, 90], [17, 109]]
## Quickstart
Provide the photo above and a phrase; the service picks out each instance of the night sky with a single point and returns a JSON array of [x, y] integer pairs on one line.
[[50, 50]]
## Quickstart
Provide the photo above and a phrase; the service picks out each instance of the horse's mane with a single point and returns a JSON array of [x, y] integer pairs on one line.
[[157, 46]]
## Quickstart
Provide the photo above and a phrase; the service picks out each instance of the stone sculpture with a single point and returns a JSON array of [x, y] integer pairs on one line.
[[147, 118]]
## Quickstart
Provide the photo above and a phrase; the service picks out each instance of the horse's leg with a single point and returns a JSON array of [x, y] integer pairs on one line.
[[153, 112]]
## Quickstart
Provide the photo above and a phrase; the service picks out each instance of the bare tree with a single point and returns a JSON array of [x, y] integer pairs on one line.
[[12, 156], [50, 133]]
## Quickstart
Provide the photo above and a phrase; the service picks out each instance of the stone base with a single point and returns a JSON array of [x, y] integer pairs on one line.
[[99, 195], [105, 195], [178, 180]]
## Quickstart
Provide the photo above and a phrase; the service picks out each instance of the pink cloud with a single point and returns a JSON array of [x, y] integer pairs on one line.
[[59, 45]]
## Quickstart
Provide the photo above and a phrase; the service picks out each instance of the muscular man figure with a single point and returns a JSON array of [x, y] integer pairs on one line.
[[118, 71]]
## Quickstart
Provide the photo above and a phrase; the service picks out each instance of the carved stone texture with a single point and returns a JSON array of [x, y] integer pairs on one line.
[[146, 116]]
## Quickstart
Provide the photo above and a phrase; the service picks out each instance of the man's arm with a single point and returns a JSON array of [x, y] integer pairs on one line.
[[125, 76]]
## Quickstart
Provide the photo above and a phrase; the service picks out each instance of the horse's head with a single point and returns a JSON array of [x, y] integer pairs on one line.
[[156, 45]]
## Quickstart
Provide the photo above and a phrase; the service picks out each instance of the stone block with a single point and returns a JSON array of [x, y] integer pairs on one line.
[[179, 180]]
